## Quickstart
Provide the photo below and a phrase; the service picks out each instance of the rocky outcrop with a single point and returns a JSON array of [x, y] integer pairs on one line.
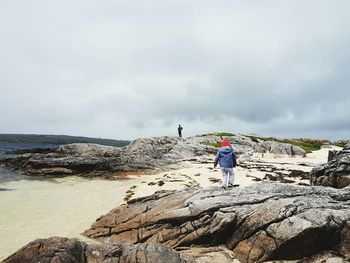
[[332, 154], [336, 173], [241, 144], [266, 221], [244, 145], [58, 249], [92, 160], [279, 148], [106, 161]]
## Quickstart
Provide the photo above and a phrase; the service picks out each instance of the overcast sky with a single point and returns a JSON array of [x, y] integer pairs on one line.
[[128, 69]]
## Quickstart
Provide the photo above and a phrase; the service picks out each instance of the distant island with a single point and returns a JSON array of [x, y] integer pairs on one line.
[[58, 139]]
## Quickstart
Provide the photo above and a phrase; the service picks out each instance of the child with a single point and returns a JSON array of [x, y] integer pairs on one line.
[[227, 160]]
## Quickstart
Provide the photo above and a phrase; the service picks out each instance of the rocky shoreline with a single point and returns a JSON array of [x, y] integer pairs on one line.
[[266, 221], [92, 160], [280, 217], [262, 222]]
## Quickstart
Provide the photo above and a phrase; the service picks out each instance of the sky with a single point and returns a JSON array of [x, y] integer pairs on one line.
[[135, 68]]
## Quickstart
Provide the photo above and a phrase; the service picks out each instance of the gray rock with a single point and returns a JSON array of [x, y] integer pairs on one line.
[[332, 154], [58, 249], [266, 221], [336, 173], [280, 149], [244, 145], [92, 160], [240, 143]]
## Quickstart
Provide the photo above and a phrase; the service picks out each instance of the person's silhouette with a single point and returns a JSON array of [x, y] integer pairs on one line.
[[179, 130]]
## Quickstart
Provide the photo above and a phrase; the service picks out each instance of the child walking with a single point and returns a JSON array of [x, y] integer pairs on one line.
[[227, 160]]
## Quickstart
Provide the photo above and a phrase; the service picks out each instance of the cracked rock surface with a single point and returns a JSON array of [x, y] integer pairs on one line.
[[336, 173], [265, 221], [64, 250]]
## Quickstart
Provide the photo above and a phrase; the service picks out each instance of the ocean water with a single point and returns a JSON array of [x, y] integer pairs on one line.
[[9, 146], [5, 152], [32, 208]]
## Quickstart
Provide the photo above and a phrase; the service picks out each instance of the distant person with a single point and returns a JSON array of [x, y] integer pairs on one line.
[[227, 160], [179, 130]]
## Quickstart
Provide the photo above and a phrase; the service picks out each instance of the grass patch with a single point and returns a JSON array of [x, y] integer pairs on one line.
[[212, 144], [220, 134], [224, 134]]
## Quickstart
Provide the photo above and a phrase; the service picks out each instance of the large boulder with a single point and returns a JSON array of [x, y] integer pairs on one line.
[[266, 221], [58, 249], [335, 173]]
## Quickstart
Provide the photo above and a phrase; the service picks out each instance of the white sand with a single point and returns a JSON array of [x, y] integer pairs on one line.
[[201, 173], [68, 206], [61, 207]]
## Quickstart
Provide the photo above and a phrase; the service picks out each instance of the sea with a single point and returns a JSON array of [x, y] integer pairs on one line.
[[37, 207], [7, 147], [7, 150]]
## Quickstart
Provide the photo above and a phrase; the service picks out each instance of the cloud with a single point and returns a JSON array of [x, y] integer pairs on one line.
[[122, 69]]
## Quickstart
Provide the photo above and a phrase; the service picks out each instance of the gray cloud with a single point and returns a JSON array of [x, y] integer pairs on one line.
[[122, 69]]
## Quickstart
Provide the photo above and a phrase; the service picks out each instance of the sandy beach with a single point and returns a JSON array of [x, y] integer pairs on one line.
[[67, 206], [32, 209], [202, 174]]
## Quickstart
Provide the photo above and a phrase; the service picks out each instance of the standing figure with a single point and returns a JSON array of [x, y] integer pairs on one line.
[[179, 130], [227, 160]]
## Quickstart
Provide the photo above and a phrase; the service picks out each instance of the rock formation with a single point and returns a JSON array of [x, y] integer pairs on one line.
[[266, 221], [58, 249], [336, 173], [92, 160], [244, 145], [279, 148], [106, 161]]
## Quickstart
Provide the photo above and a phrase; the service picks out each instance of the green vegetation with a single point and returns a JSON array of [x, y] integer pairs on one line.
[[308, 145], [220, 134], [341, 143], [212, 144], [58, 139], [224, 134], [253, 138]]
